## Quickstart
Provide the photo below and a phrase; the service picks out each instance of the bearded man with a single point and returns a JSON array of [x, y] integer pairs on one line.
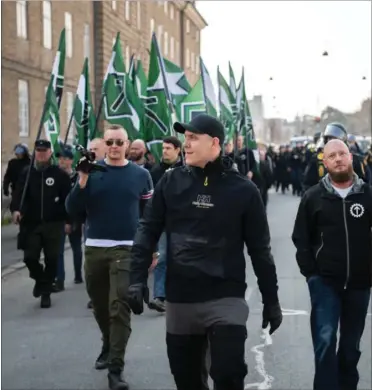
[[332, 235]]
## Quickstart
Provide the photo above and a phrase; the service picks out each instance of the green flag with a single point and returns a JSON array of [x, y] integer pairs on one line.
[[158, 121], [208, 91], [245, 124], [51, 121], [226, 102], [85, 120], [178, 85], [121, 104], [193, 104]]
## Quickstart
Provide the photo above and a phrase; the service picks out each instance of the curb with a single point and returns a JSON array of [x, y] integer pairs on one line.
[[19, 265]]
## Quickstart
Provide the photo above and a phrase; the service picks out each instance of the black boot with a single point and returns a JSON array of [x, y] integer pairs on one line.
[[102, 360], [36, 292], [58, 286], [45, 301], [116, 382]]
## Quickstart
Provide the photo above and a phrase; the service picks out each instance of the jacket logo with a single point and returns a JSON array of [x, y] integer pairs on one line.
[[203, 202], [49, 181], [356, 210]]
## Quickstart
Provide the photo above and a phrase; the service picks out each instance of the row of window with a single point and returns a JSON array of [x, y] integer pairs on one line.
[[127, 11], [169, 9], [24, 110], [47, 27]]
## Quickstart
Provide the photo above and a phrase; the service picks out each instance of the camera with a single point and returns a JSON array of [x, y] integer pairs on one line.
[[88, 164]]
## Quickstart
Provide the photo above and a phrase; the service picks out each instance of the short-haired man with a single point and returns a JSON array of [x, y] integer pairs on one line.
[[170, 159], [137, 154], [208, 212], [332, 234], [113, 201]]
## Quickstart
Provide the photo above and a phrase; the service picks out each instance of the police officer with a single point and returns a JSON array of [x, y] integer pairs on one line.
[[42, 218], [315, 170], [208, 211]]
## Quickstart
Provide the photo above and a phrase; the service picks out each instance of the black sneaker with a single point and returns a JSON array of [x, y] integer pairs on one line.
[[78, 280], [45, 301], [36, 292], [157, 304], [58, 286], [102, 360], [116, 381]]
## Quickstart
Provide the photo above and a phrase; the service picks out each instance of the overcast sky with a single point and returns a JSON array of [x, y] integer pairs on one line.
[[285, 40]]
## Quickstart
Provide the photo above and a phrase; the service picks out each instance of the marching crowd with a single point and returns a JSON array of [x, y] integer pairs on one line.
[[189, 218]]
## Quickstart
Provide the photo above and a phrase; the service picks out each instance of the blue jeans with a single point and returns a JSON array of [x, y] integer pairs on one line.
[[161, 268], [77, 253], [329, 308]]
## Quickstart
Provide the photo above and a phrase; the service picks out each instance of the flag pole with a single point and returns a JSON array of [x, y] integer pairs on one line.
[[98, 115]]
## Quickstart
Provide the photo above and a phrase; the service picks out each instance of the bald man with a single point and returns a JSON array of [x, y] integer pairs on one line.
[[137, 153], [332, 235], [97, 145]]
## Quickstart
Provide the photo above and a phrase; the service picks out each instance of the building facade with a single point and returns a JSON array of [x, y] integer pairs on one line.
[[30, 35]]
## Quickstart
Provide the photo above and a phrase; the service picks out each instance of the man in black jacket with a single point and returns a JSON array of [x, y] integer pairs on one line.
[[42, 218], [171, 159], [332, 234], [208, 211]]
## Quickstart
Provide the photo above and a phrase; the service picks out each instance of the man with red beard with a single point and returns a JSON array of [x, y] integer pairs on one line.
[[332, 234]]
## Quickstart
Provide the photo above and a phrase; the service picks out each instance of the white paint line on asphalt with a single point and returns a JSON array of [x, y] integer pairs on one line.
[[260, 363], [291, 312]]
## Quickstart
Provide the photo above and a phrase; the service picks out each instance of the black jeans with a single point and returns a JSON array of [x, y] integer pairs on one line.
[[329, 308]]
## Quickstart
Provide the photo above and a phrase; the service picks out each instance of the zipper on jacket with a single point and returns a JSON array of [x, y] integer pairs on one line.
[[42, 195], [347, 245], [321, 246], [206, 181]]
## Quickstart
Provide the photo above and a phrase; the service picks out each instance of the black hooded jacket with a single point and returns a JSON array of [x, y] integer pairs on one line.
[[208, 215]]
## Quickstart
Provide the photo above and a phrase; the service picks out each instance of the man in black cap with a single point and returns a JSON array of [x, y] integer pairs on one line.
[[208, 211], [42, 217]]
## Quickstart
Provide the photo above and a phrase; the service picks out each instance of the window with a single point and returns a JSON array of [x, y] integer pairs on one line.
[[127, 10], [178, 52], [160, 33], [192, 61], [187, 26], [68, 27], [187, 58], [127, 57], [23, 113], [197, 65], [70, 107], [165, 43], [139, 15], [172, 48], [197, 35], [166, 7], [22, 19], [152, 27], [47, 24], [86, 40], [113, 5], [171, 11]]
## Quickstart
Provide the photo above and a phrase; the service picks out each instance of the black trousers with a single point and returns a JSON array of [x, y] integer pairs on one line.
[[221, 325], [46, 236]]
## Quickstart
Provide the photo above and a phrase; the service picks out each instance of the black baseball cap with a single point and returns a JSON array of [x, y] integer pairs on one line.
[[203, 124], [42, 144]]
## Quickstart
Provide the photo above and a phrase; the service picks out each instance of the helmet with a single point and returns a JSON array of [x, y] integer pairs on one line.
[[335, 130]]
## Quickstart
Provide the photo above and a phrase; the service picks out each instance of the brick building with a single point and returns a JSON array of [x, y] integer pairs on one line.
[[30, 34]]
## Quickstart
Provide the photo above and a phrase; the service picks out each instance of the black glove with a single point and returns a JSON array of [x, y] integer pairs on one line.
[[272, 314], [137, 294]]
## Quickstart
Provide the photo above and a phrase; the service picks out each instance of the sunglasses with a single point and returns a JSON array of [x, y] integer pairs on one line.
[[117, 142]]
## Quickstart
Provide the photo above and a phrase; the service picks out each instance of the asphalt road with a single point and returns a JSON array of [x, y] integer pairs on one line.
[[56, 348]]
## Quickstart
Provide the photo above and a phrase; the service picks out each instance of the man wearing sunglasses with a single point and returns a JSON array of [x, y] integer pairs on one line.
[[208, 212], [113, 201]]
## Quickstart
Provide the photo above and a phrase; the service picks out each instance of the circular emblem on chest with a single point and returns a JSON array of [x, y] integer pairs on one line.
[[357, 210]]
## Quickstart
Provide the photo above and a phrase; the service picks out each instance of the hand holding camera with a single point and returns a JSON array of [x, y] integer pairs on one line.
[[86, 165]]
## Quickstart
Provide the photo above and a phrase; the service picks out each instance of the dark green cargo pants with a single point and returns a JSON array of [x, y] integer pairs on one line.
[[107, 281]]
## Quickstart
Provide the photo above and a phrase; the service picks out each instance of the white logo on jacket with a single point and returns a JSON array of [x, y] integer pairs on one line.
[[203, 202], [49, 181], [357, 210]]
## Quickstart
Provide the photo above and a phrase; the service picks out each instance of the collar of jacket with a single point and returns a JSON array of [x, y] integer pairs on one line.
[[218, 166], [178, 163], [357, 186]]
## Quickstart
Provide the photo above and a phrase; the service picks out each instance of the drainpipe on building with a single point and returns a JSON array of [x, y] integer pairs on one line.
[[96, 68]]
